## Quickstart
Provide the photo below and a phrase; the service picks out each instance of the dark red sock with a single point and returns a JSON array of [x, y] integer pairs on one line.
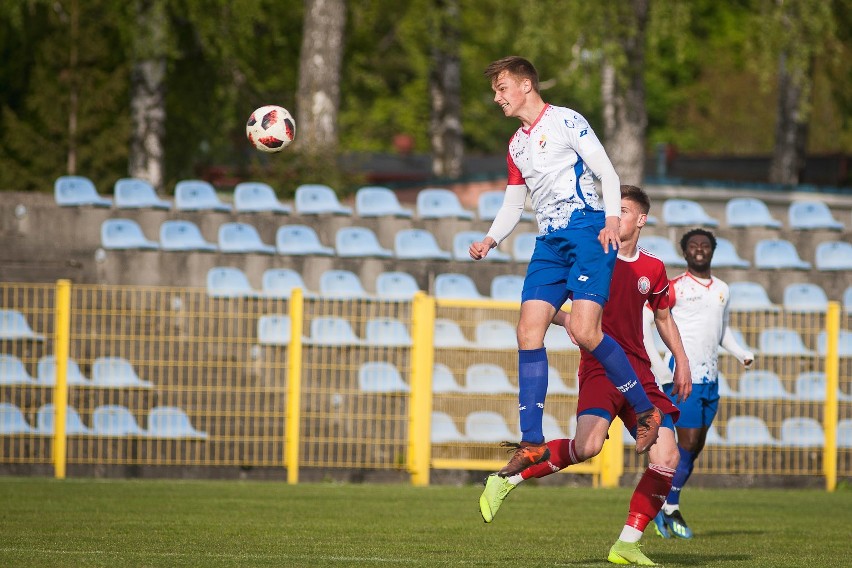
[[561, 456], [649, 496]]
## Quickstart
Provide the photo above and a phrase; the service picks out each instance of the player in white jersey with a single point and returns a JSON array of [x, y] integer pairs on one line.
[[555, 156], [699, 306]]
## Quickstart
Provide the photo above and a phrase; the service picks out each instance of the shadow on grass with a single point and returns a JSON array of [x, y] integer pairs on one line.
[[664, 559]]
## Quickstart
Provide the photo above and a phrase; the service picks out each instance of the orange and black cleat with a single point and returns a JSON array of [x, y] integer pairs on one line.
[[526, 454]]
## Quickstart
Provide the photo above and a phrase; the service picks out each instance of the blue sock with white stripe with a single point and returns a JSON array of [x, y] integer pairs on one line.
[[532, 390], [682, 473], [621, 374]]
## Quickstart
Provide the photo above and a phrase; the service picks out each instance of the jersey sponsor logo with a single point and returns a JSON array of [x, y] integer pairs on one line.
[[582, 278], [626, 387], [644, 285]]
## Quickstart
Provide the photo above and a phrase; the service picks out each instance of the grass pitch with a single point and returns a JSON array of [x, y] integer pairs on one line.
[[84, 523]]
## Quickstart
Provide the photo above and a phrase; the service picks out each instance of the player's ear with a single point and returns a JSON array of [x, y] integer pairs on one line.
[[643, 218]]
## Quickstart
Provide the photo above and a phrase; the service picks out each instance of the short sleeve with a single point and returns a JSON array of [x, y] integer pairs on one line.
[[515, 177], [659, 298]]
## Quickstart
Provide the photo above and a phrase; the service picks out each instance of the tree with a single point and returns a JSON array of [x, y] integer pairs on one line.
[[445, 92]]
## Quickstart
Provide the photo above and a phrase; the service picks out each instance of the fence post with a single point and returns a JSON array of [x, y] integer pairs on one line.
[[832, 378], [420, 402], [611, 461], [61, 339], [292, 437]]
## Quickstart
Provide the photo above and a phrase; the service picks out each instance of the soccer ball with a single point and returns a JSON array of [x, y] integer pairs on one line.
[[270, 128]]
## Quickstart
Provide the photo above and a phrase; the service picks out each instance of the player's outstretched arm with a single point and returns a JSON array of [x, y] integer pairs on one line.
[[729, 342], [671, 337]]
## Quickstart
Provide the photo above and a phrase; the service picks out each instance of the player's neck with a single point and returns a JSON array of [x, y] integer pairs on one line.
[[627, 249], [531, 111], [703, 274]]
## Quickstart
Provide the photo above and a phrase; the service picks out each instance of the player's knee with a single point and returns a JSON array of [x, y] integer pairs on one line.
[[587, 335], [587, 449], [530, 336]]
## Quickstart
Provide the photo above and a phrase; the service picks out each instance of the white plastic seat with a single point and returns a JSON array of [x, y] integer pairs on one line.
[[748, 431], [749, 297], [557, 339], [685, 212], [663, 249], [386, 332], [13, 371], [418, 244], [359, 242], [725, 389], [318, 199], [486, 426], [242, 238], [778, 253], [805, 298], [461, 247], [444, 430], [257, 197], [13, 325], [46, 372], [74, 191], [273, 329], [116, 372], [801, 432], [46, 421], [762, 385], [490, 202], [487, 378], [380, 376], [523, 247], [198, 195], [713, 437], [12, 421], [124, 234], [228, 282], [330, 330], [725, 255], [396, 286], [437, 203], [456, 286], [809, 214], [507, 287], [551, 428], [341, 284], [183, 235], [115, 420], [810, 386], [844, 433], [171, 422], [496, 334], [279, 282], [782, 341], [834, 255], [448, 334], [749, 212], [135, 193], [844, 343], [847, 300], [376, 201], [300, 240], [443, 380], [555, 384]]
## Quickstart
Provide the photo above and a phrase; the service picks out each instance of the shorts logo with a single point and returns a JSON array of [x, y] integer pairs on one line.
[[582, 278], [644, 285]]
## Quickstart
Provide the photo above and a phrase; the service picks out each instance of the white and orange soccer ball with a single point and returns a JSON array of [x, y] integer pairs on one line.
[[270, 128]]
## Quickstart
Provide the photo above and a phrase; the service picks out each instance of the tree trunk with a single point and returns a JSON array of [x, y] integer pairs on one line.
[[445, 92], [73, 87], [791, 128], [318, 97]]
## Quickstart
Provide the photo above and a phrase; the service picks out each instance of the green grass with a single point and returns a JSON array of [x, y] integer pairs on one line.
[[82, 523]]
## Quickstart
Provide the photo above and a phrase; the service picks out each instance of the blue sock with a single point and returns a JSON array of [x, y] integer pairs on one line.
[[621, 374], [532, 389], [682, 473]]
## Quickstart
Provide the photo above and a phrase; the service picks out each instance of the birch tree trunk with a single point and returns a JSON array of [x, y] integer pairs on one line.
[[445, 93]]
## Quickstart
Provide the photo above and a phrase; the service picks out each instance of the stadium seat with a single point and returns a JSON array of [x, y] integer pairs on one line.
[[171, 422], [461, 246], [13, 371], [738, 337], [341, 285], [523, 247], [183, 235], [685, 212], [725, 255], [749, 297], [844, 343], [557, 339], [844, 433], [228, 282], [448, 334], [386, 332], [749, 212], [748, 431], [782, 341], [436, 203], [487, 378], [443, 380], [555, 384], [12, 421], [801, 432], [124, 234], [847, 300], [456, 286], [396, 286], [713, 438], [834, 255], [46, 372], [663, 249], [74, 191], [805, 298], [375, 201], [46, 420], [444, 430], [551, 428], [242, 238], [198, 195], [812, 215], [300, 240], [273, 329], [13, 325], [487, 427], [359, 242], [810, 386], [418, 244], [762, 385], [332, 331], [318, 199], [507, 287], [135, 193], [116, 372], [725, 389], [490, 202], [496, 334], [778, 253], [257, 197], [279, 282], [115, 420], [380, 376]]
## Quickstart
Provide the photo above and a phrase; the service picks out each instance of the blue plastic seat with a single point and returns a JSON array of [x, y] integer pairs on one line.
[[135, 193], [456, 286], [461, 246], [685, 212], [12, 421], [810, 386], [507, 287], [183, 236], [329, 330], [762, 385], [778, 253], [300, 240], [341, 284], [242, 238], [13, 325], [352, 242], [801, 432], [490, 202], [74, 191], [257, 197], [380, 377], [124, 234], [273, 329], [13, 371], [782, 341], [523, 246], [663, 249], [443, 380], [418, 244], [844, 433], [805, 298], [749, 297], [375, 201], [834, 255], [386, 332], [198, 195], [318, 199], [748, 431], [487, 378], [809, 214], [279, 282], [116, 372], [46, 372], [46, 421], [438, 203], [726, 256], [844, 343], [749, 212], [496, 334], [847, 300], [396, 286], [488, 427], [115, 420], [448, 334], [171, 422], [444, 430], [228, 282]]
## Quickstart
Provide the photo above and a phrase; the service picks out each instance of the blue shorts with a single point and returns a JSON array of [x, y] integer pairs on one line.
[[570, 262], [699, 410]]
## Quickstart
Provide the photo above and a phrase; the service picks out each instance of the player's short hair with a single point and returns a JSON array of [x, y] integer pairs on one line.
[[684, 240], [638, 196], [515, 65]]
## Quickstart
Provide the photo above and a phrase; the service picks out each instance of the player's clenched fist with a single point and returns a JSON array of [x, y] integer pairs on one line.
[[479, 250]]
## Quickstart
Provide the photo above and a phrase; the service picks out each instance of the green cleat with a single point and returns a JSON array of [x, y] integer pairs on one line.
[[496, 489], [628, 553]]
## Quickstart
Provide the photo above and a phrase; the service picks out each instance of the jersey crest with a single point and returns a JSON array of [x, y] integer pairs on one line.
[[644, 285]]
